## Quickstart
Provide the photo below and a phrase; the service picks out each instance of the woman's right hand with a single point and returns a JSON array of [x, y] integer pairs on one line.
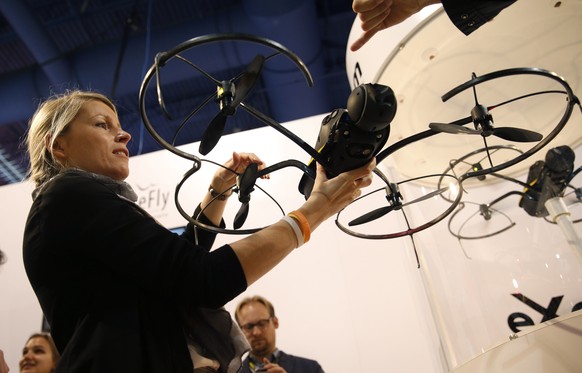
[[263, 250], [329, 196]]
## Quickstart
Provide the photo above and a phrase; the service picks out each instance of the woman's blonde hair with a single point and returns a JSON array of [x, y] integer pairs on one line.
[[51, 120]]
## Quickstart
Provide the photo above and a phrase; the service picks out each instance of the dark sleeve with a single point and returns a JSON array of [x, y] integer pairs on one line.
[[204, 237], [293, 363], [469, 15], [84, 220]]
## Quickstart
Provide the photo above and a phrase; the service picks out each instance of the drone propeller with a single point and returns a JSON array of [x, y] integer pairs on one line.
[[392, 195], [395, 204], [373, 215], [454, 127], [246, 184], [517, 134], [483, 122], [506, 133], [229, 96]]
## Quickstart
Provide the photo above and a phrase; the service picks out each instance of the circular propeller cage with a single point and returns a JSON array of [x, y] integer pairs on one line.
[[570, 101], [463, 165], [392, 221], [162, 60], [487, 211]]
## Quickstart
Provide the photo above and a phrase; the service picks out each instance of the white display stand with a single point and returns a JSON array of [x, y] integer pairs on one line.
[[474, 286], [551, 347]]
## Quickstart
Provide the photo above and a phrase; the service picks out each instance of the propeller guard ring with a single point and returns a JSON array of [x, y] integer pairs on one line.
[[163, 58]]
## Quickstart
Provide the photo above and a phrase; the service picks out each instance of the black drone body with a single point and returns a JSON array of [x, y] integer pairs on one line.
[[547, 179], [348, 139]]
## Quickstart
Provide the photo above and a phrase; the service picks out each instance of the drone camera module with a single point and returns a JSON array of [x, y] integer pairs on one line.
[[372, 106], [547, 180]]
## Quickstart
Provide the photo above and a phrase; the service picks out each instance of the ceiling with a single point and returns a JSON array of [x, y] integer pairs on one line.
[[48, 46]]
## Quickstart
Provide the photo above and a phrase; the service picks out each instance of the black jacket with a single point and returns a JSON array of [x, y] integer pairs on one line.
[[469, 15], [291, 363], [112, 282]]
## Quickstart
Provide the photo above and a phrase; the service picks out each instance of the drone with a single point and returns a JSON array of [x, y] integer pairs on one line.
[[348, 137], [546, 179]]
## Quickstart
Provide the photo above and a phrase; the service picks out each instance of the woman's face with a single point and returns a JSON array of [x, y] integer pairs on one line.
[[95, 142], [37, 357]]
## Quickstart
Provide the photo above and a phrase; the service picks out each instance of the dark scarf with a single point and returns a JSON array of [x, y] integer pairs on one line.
[[121, 188]]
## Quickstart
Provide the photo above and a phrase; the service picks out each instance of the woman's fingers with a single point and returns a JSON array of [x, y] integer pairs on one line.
[[345, 187]]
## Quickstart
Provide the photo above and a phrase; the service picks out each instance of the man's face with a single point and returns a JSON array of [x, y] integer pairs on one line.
[[259, 328]]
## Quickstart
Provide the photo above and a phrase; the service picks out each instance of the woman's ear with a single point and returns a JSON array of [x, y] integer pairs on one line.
[[55, 148]]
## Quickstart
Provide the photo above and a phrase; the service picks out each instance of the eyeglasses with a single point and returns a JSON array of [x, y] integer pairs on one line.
[[261, 324]]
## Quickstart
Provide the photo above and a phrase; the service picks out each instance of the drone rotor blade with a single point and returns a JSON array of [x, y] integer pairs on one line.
[[212, 134], [245, 185], [426, 196], [246, 181], [517, 134], [378, 213], [248, 79], [372, 215], [244, 85], [452, 128], [241, 215]]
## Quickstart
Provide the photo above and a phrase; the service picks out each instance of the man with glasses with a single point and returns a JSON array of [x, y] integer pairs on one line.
[[256, 317]]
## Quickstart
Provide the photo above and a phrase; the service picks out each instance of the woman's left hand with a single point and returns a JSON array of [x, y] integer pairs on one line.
[[224, 179]]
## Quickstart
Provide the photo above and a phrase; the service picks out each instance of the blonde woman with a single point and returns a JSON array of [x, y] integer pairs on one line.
[[114, 284]]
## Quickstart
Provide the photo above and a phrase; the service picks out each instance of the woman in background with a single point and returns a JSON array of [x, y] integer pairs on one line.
[[39, 354]]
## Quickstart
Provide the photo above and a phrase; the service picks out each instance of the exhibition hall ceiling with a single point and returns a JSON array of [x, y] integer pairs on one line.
[[49, 46]]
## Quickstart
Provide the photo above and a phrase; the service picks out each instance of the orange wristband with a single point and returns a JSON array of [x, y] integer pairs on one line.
[[296, 230], [303, 224]]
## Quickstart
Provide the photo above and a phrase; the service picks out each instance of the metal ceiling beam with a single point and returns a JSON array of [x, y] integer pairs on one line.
[[47, 55], [95, 67], [9, 170]]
